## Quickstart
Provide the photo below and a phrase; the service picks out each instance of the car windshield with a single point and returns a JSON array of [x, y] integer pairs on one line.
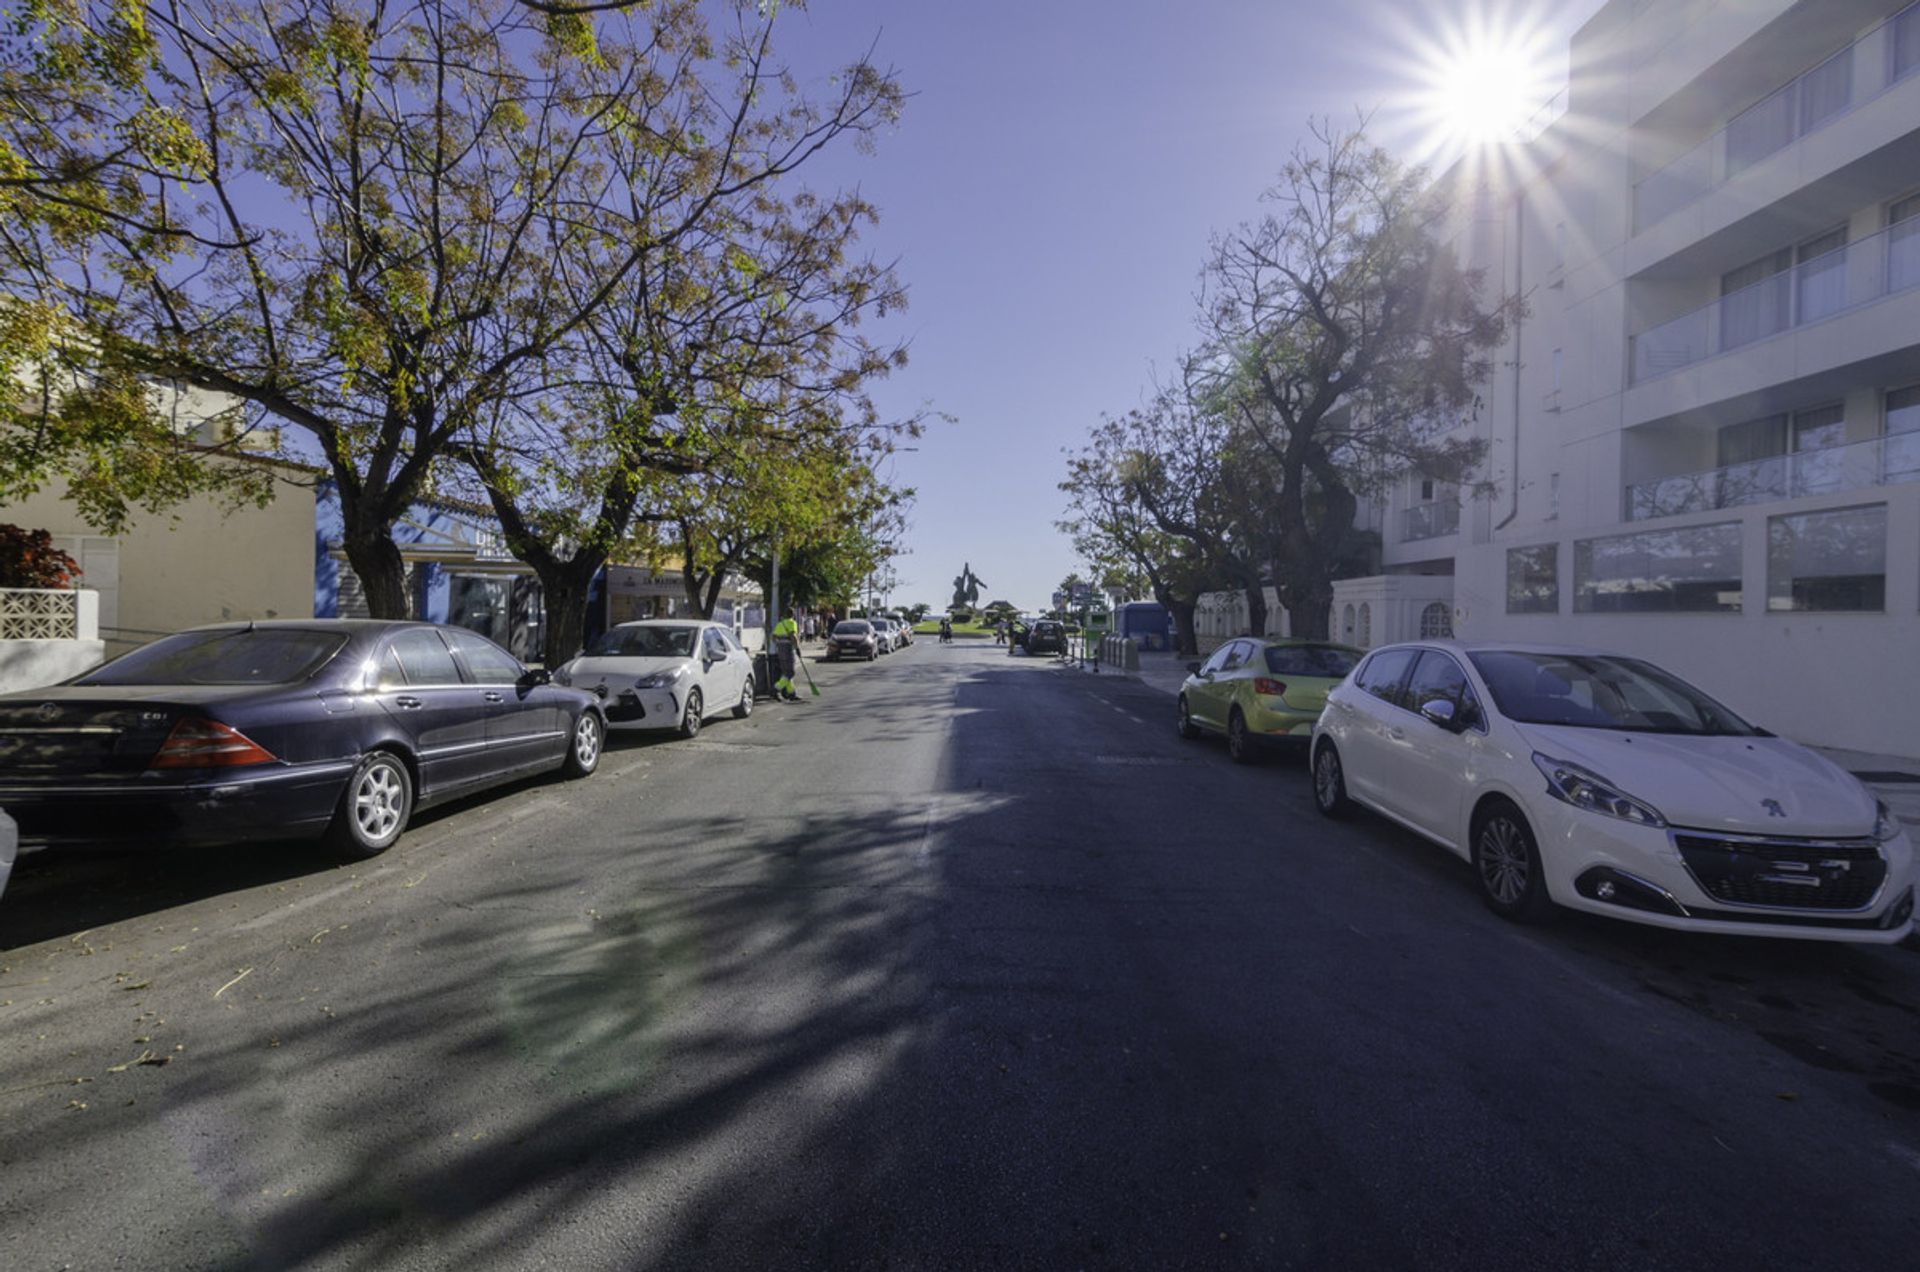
[[1601, 692], [851, 629], [246, 656], [1327, 661], [644, 642]]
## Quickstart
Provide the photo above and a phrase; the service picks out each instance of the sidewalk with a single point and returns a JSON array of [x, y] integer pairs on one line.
[[1166, 672]]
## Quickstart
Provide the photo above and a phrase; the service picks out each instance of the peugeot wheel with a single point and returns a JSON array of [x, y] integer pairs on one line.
[[1330, 783], [583, 751], [744, 708], [1188, 729], [690, 722], [1506, 861], [374, 809], [1242, 746]]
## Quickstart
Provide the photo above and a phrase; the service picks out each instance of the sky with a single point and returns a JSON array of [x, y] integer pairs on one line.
[[1048, 196]]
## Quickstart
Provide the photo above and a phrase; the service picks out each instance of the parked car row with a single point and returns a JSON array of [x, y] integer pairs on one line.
[[1574, 778], [867, 638], [330, 729]]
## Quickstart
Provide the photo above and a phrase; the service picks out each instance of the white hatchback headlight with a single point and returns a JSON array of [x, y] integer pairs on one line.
[[563, 674], [1885, 824], [660, 679], [1583, 788]]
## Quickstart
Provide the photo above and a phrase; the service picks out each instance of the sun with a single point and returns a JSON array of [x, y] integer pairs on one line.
[[1477, 80], [1484, 94]]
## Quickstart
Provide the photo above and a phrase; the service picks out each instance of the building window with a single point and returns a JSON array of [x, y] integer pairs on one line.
[[1366, 625], [1436, 622], [1761, 129], [1828, 561], [1826, 90], [1906, 41], [1900, 460], [1756, 299], [1553, 496], [1346, 625], [1533, 579], [1556, 370], [1903, 244], [1695, 570]]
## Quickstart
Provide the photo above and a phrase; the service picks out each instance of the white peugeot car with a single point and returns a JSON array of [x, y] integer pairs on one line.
[[664, 674], [1602, 783]]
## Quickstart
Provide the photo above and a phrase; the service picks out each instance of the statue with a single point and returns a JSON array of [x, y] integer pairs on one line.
[[966, 588]]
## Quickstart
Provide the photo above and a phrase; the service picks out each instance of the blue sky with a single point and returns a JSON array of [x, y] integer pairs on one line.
[[1049, 195]]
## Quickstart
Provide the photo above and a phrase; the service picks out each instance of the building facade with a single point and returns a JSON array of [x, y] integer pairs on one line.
[[1703, 439]]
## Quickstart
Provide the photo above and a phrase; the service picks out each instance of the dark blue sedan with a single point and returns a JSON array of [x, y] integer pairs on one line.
[[283, 730]]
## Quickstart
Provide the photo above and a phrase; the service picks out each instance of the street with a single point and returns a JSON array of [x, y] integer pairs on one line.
[[967, 962]]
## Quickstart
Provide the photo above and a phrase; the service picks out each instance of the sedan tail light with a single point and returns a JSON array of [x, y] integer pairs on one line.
[[1269, 688], [201, 743]]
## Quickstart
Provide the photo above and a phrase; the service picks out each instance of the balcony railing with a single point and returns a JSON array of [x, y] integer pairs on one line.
[[1879, 461], [1806, 104], [1857, 274], [1429, 521]]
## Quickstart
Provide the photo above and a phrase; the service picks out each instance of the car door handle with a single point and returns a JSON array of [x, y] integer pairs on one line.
[[407, 703], [493, 697]]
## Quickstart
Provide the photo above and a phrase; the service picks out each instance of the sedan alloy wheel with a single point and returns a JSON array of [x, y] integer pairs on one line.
[[690, 723], [583, 755], [1507, 864], [375, 808]]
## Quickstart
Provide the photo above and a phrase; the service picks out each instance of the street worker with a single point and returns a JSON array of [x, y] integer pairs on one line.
[[786, 640]]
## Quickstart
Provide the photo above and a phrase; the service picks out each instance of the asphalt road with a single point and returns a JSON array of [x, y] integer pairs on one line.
[[968, 962]]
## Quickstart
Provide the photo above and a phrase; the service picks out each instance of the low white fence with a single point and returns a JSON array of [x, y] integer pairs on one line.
[[47, 636]]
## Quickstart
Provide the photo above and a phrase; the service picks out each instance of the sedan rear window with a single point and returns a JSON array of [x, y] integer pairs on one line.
[[1329, 661], [247, 656]]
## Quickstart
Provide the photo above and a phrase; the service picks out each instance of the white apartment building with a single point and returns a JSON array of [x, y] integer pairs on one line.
[[1704, 438]]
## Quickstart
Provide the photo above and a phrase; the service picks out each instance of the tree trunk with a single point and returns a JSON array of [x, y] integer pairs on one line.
[[715, 582], [376, 559], [1310, 604], [1184, 639], [1256, 594], [565, 585]]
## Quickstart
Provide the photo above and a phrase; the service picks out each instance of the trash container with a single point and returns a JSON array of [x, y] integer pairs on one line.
[[765, 671]]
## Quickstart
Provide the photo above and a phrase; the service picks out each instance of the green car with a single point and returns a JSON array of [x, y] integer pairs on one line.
[[1262, 692]]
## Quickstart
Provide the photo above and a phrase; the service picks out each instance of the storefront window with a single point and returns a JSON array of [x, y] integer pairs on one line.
[[1828, 561], [1533, 579], [1695, 570]]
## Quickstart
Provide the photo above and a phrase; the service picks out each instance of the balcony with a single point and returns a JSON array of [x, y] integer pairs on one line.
[[1860, 273], [1429, 521], [1879, 461], [1829, 92]]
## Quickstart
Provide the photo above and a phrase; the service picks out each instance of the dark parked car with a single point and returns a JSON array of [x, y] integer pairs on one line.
[[853, 638], [283, 730], [1046, 637]]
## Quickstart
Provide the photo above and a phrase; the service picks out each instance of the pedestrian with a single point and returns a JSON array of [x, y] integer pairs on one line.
[[786, 636]]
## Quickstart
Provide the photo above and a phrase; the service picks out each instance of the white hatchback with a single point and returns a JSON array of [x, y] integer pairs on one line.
[[663, 674], [1602, 783]]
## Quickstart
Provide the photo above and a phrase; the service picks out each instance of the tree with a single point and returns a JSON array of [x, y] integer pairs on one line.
[[1117, 534], [73, 120], [357, 226], [721, 367], [1345, 343]]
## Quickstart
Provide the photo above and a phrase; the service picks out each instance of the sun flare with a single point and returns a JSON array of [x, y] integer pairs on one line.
[[1484, 94], [1480, 79]]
